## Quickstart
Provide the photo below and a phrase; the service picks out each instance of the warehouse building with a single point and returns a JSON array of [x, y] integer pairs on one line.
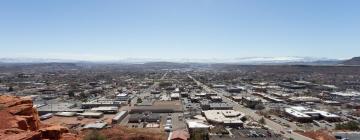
[[106, 109], [92, 114], [95, 126], [119, 117], [58, 107], [101, 103]]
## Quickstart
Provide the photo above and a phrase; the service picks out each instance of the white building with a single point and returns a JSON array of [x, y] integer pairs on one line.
[[175, 96], [106, 109], [226, 117], [303, 114], [122, 97]]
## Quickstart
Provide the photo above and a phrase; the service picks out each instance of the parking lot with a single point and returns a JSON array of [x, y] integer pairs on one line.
[[248, 134]]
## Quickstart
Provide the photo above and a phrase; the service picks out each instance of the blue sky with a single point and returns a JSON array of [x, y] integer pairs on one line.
[[117, 29]]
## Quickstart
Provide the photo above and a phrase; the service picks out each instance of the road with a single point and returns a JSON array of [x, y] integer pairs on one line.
[[271, 124]]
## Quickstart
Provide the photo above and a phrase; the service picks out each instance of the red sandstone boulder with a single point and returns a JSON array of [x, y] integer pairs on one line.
[[20, 121]]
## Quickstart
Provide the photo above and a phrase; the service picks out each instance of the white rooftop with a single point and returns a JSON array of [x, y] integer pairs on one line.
[[222, 116], [196, 124], [95, 125], [175, 95], [296, 113], [347, 93], [303, 112], [102, 108], [122, 95]]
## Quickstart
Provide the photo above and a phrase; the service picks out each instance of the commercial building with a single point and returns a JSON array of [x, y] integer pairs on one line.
[[216, 98], [236, 89], [119, 117], [95, 126], [154, 109], [122, 97], [92, 114], [220, 106], [106, 109], [346, 94], [58, 107], [269, 97], [197, 127], [236, 98], [202, 95], [101, 103], [289, 85], [206, 105], [304, 99], [225, 117], [175, 96], [251, 102], [218, 86], [65, 114], [303, 114]]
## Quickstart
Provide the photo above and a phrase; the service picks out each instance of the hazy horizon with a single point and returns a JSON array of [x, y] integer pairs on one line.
[[160, 29]]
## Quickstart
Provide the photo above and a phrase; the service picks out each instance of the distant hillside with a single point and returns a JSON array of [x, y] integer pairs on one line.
[[352, 61]]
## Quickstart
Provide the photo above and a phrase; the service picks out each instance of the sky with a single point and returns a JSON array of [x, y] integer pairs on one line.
[[191, 29]]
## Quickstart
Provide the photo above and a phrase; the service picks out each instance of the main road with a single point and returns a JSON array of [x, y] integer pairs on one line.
[[271, 124]]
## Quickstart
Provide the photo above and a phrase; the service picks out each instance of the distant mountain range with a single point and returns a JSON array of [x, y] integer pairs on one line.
[[352, 61], [246, 60]]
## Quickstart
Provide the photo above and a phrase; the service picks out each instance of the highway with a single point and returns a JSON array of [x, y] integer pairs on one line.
[[271, 124]]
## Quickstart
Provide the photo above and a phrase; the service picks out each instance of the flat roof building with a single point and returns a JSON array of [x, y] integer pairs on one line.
[[251, 102], [175, 96], [95, 126], [58, 107], [119, 117], [122, 97], [304, 99], [100, 103], [225, 117], [105, 109], [92, 114], [304, 114], [216, 98]]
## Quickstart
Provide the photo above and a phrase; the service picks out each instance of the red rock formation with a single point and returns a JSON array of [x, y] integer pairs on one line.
[[123, 133], [20, 121]]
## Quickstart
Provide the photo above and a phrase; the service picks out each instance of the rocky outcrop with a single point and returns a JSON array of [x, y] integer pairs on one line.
[[20, 121], [123, 133]]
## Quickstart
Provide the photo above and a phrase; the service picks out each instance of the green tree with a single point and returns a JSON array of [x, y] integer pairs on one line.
[[10, 89], [262, 120], [71, 93], [139, 100]]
